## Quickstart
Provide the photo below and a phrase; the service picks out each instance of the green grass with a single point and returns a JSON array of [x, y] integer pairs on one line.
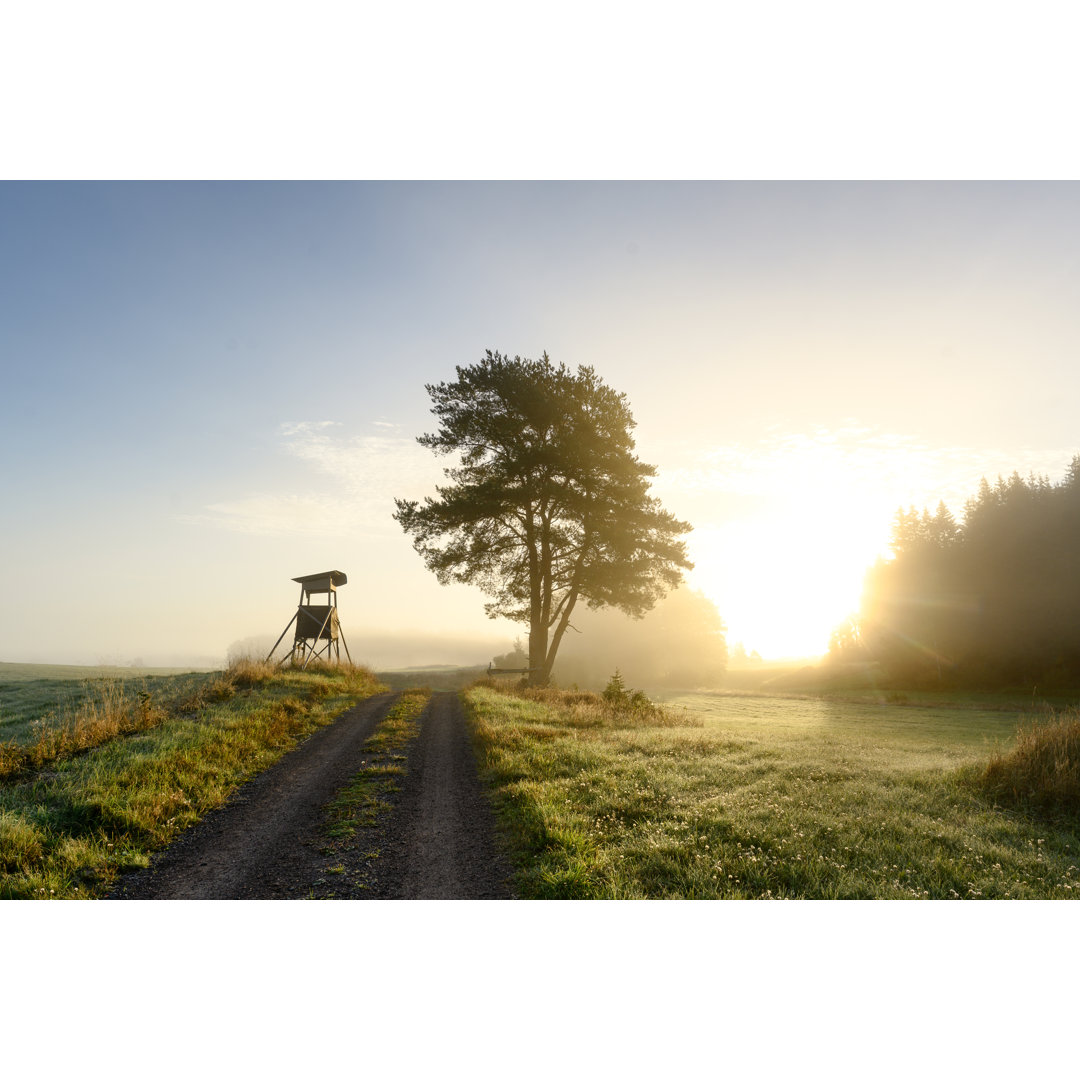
[[960, 731], [763, 798], [68, 830]]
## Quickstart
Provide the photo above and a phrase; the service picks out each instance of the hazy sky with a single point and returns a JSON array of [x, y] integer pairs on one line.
[[210, 388]]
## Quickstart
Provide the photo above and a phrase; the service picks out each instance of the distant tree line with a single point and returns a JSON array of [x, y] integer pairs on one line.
[[993, 600]]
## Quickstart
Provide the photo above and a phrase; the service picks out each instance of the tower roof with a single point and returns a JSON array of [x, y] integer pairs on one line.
[[322, 582]]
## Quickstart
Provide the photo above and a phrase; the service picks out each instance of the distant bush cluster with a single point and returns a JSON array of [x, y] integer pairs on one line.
[[991, 601]]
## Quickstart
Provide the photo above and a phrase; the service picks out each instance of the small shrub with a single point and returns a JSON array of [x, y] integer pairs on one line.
[[616, 693], [632, 704], [1043, 768]]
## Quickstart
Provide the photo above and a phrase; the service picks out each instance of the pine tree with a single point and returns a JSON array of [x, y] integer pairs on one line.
[[548, 506]]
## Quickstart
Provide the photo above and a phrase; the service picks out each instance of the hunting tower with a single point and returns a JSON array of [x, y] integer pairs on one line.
[[318, 633]]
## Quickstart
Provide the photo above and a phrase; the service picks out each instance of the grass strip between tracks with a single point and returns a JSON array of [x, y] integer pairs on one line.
[[367, 796], [68, 829]]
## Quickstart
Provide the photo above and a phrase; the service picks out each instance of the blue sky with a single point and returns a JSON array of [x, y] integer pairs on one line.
[[213, 387]]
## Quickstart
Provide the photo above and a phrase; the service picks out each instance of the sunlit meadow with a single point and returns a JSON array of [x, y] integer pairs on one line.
[[754, 798]]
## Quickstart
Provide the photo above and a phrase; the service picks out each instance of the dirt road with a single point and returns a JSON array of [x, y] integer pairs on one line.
[[268, 841], [438, 844]]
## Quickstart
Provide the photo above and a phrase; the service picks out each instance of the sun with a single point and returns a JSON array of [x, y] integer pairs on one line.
[[784, 581], [786, 529]]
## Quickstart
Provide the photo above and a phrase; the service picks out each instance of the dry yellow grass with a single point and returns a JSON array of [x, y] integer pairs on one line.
[[111, 712], [1043, 768], [252, 672]]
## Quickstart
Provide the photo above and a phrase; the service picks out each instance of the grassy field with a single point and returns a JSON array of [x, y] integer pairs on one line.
[[958, 731], [31, 693], [15, 673], [867, 683], [729, 797], [83, 803]]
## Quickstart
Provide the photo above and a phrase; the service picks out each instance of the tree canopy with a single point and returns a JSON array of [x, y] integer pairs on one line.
[[548, 505]]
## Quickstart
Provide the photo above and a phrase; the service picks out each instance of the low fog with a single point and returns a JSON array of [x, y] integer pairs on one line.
[[389, 651], [680, 643]]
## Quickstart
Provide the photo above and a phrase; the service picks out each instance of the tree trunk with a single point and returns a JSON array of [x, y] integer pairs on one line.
[[556, 639], [538, 634], [538, 666], [537, 625]]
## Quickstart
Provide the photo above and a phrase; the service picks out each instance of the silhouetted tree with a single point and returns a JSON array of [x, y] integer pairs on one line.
[[549, 505], [943, 528], [995, 599]]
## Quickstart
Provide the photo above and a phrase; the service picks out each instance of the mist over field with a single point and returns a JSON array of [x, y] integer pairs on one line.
[[391, 649], [680, 643]]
